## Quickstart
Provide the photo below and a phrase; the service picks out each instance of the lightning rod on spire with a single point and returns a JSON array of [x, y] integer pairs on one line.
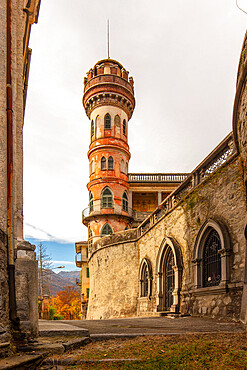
[[108, 37]]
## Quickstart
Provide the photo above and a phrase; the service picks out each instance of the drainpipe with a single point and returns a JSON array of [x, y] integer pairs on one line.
[[10, 245]]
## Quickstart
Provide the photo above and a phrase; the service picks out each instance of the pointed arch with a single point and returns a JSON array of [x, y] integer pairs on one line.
[[106, 198], [106, 230], [107, 121], [125, 201], [211, 255], [145, 278], [117, 120], [110, 163], [103, 163], [169, 275]]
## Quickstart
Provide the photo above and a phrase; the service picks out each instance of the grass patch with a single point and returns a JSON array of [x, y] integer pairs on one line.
[[216, 351]]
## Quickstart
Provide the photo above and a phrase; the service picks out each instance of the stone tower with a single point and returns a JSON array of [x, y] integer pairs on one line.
[[109, 103]]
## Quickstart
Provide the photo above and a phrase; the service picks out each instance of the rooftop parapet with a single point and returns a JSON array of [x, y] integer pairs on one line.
[[108, 83]]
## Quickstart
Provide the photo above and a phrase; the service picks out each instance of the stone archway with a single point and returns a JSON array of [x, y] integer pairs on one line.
[[169, 276]]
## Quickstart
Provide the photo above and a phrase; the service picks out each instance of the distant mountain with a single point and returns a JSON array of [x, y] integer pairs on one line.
[[53, 283]]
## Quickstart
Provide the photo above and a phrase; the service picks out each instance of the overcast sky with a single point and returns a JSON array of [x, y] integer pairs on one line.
[[183, 56]]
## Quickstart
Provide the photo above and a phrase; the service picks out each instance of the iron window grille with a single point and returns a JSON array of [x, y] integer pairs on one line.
[[212, 260]]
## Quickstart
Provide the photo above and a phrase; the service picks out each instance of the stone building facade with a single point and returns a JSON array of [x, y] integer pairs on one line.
[[18, 266], [189, 255]]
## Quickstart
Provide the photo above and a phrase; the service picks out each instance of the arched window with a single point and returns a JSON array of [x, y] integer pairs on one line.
[[117, 120], [90, 239], [103, 163], [145, 276], [91, 167], [91, 202], [125, 202], [107, 122], [122, 166], [106, 198], [211, 260], [124, 127], [106, 230], [211, 256], [110, 163], [92, 127]]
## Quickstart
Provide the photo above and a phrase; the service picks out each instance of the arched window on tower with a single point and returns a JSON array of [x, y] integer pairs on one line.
[[124, 127], [122, 166], [90, 239], [107, 122], [92, 127], [117, 120], [91, 202], [125, 202], [106, 198], [106, 230], [110, 163], [103, 163]]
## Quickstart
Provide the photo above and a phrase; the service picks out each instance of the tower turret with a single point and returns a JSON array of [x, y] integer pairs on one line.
[[109, 103]]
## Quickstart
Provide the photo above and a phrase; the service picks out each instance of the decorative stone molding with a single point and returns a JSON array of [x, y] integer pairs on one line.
[[225, 252], [169, 243]]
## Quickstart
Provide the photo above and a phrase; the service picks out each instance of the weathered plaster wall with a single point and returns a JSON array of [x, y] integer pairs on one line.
[[113, 277]]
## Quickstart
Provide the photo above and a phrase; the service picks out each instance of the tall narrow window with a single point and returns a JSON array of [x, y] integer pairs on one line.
[[92, 127], [211, 260], [91, 202], [87, 292], [87, 271], [122, 165], [110, 163], [124, 127], [106, 230], [145, 274], [107, 198], [107, 122], [117, 120], [125, 202], [103, 163], [90, 241]]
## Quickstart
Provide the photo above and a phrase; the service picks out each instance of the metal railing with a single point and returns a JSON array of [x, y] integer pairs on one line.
[[96, 210], [222, 153], [157, 177]]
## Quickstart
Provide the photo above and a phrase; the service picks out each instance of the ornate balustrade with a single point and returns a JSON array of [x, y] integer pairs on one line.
[[222, 153], [157, 177]]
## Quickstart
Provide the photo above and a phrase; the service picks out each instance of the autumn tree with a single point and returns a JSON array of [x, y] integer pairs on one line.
[[68, 303]]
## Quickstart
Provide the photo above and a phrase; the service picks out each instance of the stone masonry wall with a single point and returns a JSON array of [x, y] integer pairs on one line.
[[114, 266]]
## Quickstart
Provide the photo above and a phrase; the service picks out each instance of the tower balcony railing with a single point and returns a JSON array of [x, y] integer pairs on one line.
[[97, 209]]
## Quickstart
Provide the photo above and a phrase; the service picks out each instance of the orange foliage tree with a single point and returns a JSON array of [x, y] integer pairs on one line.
[[68, 303]]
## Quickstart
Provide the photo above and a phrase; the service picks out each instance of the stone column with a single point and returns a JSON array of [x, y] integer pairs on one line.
[[26, 274], [130, 199], [159, 197]]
